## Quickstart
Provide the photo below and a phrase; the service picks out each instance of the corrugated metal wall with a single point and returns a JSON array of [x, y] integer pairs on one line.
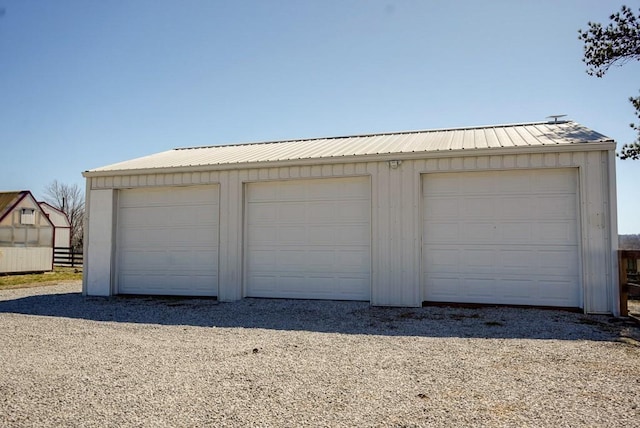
[[396, 228]]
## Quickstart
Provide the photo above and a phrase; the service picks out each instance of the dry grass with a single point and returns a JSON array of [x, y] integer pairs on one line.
[[58, 275]]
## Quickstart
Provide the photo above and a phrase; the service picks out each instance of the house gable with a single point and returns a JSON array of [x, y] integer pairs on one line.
[[23, 222]]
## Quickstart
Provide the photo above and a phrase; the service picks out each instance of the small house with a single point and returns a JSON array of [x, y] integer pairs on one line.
[[26, 234]]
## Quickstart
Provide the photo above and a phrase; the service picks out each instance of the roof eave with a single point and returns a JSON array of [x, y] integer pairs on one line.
[[550, 148]]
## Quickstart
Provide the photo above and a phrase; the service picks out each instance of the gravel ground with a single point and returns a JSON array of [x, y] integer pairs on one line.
[[66, 360]]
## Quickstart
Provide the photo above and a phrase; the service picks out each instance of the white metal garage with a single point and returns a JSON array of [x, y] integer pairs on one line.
[[506, 237], [309, 239], [513, 214], [167, 241]]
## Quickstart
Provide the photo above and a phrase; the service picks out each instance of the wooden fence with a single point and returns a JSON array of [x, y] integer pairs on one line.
[[65, 256], [628, 282]]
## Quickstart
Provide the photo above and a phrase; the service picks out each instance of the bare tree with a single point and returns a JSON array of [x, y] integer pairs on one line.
[[70, 200]]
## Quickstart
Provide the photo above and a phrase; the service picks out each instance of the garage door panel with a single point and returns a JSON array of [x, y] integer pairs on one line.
[[478, 207], [320, 260], [291, 260], [311, 261], [314, 241], [501, 237], [304, 286], [556, 292], [508, 259], [480, 260], [479, 287], [262, 235], [152, 237], [558, 262], [353, 210], [560, 206], [352, 260], [556, 232], [324, 234], [166, 197], [513, 232], [441, 185], [482, 184], [290, 191], [261, 260], [513, 290], [515, 207], [563, 181], [292, 235], [352, 233], [167, 241], [443, 287], [168, 261], [262, 213], [180, 285], [336, 235], [292, 212], [442, 231], [479, 231], [549, 233], [151, 260], [443, 259], [442, 208]]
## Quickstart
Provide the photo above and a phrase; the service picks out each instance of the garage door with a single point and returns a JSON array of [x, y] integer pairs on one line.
[[167, 241], [507, 237], [309, 239]]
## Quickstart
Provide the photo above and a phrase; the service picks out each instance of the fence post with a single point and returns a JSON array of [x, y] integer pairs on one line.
[[624, 289]]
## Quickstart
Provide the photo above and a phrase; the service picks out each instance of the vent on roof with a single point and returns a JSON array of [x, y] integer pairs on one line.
[[554, 118]]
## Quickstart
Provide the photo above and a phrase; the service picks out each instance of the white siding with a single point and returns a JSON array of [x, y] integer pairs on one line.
[[62, 230], [395, 216], [396, 243], [596, 224], [62, 237], [98, 260], [231, 233], [33, 259]]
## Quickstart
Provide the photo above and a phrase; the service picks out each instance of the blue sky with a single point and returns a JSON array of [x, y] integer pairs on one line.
[[88, 83]]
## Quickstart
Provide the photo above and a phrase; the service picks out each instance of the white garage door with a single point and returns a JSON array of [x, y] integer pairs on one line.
[[507, 237], [167, 241], [309, 239]]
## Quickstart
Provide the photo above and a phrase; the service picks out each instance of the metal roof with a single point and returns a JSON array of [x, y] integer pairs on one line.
[[527, 135]]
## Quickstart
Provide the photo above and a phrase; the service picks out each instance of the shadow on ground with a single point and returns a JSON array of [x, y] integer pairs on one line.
[[330, 316]]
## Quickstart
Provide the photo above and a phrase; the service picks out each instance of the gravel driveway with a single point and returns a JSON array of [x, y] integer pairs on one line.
[[66, 360]]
